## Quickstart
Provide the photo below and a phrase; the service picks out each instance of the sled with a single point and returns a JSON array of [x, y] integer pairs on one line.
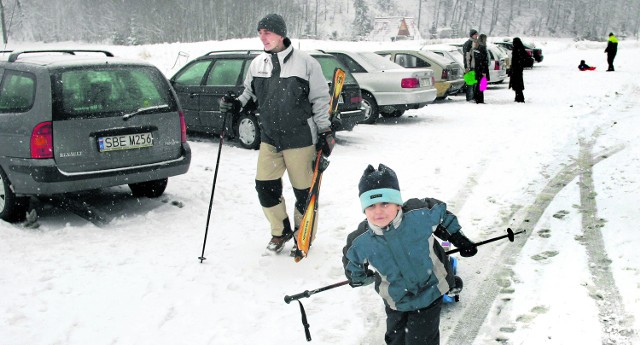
[[454, 294]]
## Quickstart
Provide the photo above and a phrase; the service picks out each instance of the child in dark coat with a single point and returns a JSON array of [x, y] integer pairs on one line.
[[584, 67], [412, 270]]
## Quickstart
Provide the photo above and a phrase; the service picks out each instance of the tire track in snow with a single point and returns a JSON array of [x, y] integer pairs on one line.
[[615, 321], [494, 280]]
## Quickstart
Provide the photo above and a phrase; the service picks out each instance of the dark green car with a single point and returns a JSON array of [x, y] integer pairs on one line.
[[202, 82]]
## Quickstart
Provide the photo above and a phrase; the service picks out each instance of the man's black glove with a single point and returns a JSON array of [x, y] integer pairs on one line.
[[326, 142], [467, 248], [370, 278], [230, 105]]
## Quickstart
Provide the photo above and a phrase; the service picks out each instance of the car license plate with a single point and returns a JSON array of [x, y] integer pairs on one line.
[[125, 142], [424, 82], [340, 100]]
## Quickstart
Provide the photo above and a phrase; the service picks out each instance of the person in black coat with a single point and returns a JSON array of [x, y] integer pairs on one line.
[[519, 59], [612, 49], [467, 47], [481, 57]]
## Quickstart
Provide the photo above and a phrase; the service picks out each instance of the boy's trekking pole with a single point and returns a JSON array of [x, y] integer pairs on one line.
[[228, 97], [307, 293], [510, 234]]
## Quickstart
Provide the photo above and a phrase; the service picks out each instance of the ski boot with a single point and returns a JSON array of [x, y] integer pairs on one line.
[[276, 244]]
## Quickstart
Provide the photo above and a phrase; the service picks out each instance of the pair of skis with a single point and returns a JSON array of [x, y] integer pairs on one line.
[[308, 222]]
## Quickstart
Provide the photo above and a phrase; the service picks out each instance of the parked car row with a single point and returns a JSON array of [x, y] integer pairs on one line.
[[75, 120], [531, 49], [499, 61], [448, 73], [387, 88], [202, 82]]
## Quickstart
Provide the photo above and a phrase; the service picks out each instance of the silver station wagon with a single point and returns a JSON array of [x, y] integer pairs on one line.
[[73, 120]]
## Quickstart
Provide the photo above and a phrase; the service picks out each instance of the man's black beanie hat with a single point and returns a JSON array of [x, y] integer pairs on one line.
[[275, 23]]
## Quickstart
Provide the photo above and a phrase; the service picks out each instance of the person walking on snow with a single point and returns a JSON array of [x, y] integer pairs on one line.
[[292, 96], [481, 60], [412, 270], [519, 58], [611, 50], [467, 47]]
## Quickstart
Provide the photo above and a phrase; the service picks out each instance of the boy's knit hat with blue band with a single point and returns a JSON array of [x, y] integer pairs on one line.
[[379, 186]]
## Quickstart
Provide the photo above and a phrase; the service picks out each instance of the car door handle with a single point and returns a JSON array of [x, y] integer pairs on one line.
[[193, 94]]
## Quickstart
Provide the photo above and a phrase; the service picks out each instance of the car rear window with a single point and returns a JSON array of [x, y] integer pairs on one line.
[[376, 62], [109, 91], [17, 92], [329, 64]]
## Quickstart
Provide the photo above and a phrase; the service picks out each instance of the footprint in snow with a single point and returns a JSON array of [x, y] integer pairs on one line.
[[544, 233], [560, 214], [545, 255]]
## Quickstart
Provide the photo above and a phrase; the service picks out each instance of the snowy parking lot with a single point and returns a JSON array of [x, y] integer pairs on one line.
[[103, 267]]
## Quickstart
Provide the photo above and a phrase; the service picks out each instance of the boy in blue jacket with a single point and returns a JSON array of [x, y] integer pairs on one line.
[[412, 271]]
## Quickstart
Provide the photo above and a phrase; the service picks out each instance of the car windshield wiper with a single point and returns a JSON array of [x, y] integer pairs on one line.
[[144, 110]]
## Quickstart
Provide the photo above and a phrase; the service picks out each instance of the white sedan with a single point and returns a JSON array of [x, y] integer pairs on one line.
[[388, 89]]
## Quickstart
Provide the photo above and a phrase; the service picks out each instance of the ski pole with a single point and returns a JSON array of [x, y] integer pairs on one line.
[[307, 293], [510, 234], [228, 97]]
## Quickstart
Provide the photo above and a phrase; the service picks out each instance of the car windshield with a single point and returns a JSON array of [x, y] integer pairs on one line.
[[374, 62], [329, 64], [109, 91]]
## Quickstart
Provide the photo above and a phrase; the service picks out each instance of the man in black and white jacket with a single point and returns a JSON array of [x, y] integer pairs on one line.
[[293, 101]]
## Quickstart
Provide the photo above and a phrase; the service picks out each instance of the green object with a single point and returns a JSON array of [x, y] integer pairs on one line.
[[470, 78]]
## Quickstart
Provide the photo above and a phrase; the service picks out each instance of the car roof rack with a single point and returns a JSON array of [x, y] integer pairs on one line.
[[14, 56], [249, 51]]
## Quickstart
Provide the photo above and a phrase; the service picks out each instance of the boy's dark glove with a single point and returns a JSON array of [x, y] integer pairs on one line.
[[467, 248], [326, 142], [371, 277], [230, 105]]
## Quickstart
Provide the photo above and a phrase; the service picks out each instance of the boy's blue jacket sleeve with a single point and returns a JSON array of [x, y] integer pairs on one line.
[[448, 224], [355, 268]]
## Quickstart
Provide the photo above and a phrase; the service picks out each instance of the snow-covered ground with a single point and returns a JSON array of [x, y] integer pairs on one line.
[[565, 167]]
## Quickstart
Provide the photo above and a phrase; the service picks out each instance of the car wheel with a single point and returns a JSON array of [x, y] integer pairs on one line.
[[150, 189], [370, 109], [248, 131], [12, 208]]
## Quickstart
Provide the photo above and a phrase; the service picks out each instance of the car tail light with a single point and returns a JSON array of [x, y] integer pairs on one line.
[[356, 99], [410, 83], [183, 128], [433, 80], [445, 74], [529, 52], [42, 141], [497, 66]]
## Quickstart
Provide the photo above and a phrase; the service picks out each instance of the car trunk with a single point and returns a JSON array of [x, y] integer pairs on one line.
[[112, 143], [113, 117], [455, 71]]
